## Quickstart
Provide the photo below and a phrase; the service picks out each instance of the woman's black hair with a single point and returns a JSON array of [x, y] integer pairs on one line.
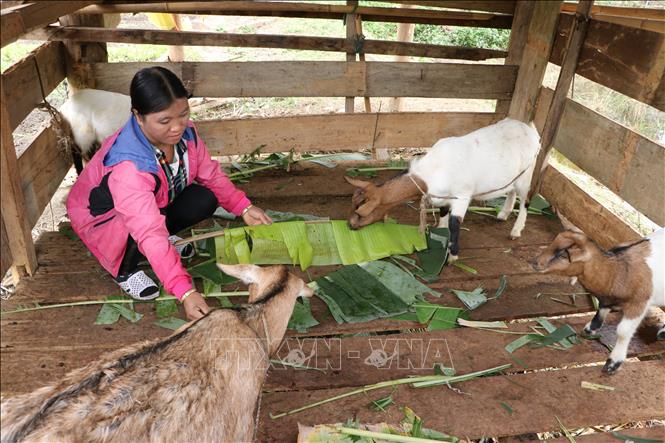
[[155, 89]]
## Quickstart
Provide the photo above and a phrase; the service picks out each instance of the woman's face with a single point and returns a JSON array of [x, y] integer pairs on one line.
[[166, 127]]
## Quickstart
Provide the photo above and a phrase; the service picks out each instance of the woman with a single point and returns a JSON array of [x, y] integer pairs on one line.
[[151, 179]]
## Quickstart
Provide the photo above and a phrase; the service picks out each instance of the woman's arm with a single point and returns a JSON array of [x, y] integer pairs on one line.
[[210, 175]]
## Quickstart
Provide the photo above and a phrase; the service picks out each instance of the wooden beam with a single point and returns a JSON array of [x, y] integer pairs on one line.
[[611, 57], [536, 53], [627, 163], [189, 38], [501, 6], [518, 35], [338, 132], [632, 22], [21, 82], [15, 222], [562, 87], [313, 10], [584, 211], [321, 79], [42, 167], [617, 11], [18, 20]]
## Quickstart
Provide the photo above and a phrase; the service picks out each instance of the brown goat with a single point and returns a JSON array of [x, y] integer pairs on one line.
[[201, 384], [627, 278]]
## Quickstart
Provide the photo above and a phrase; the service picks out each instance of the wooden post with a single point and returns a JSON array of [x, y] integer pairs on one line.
[[361, 54], [518, 35], [350, 23], [17, 229], [535, 56], [404, 34], [568, 67]]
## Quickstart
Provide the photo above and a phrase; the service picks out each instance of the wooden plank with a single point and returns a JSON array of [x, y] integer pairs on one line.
[[42, 168], [348, 360], [21, 81], [6, 258], [656, 433], [314, 10], [17, 227], [536, 398], [535, 55], [27, 366], [630, 165], [323, 79], [584, 211], [632, 22], [610, 57], [157, 37], [619, 11], [18, 20], [501, 6], [558, 102], [518, 37], [337, 132], [78, 52]]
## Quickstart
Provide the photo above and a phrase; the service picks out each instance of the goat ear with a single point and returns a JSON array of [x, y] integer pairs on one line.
[[248, 274], [367, 208], [576, 238], [358, 183]]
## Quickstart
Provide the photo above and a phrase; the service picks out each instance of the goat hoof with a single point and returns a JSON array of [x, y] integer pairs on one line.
[[452, 259], [611, 366], [588, 331], [502, 217], [661, 335]]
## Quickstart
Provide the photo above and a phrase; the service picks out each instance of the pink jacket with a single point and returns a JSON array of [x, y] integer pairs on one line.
[[115, 197]]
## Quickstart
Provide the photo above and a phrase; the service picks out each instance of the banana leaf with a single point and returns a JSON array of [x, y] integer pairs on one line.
[[398, 281], [318, 244], [302, 317], [324, 246], [350, 310], [375, 241], [434, 257]]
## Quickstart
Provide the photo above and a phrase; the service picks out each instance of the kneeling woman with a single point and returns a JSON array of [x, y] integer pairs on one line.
[[151, 179]]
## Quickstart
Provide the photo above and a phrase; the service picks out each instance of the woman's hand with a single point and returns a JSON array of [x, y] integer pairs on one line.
[[195, 306], [256, 216]]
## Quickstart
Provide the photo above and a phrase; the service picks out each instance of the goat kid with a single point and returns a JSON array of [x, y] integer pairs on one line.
[[628, 278], [487, 163], [200, 384], [92, 116]]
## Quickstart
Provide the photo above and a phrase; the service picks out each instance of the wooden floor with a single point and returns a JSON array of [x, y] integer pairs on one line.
[[543, 384]]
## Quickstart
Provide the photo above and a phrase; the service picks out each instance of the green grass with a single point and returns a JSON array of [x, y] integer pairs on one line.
[[15, 52], [120, 52]]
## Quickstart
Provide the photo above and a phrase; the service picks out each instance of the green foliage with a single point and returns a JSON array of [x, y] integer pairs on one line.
[[444, 35]]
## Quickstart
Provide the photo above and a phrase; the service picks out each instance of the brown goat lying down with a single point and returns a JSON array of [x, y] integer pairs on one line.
[[201, 384], [627, 278]]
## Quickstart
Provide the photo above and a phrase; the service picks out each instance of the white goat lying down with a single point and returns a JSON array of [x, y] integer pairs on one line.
[[200, 384], [487, 163], [629, 278], [94, 115]]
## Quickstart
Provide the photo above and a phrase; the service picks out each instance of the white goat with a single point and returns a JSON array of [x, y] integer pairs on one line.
[[628, 277], [94, 115], [487, 163], [200, 384]]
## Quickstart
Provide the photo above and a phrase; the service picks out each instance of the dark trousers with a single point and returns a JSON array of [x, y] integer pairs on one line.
[[194, 204]]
